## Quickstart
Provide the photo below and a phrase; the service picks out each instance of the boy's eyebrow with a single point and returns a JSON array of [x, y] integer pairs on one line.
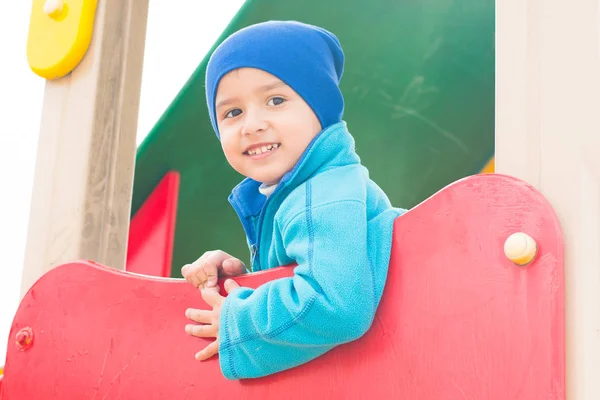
[[271, 86], [224, 102]]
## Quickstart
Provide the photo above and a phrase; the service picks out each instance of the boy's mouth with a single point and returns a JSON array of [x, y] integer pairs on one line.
[[261, 148]]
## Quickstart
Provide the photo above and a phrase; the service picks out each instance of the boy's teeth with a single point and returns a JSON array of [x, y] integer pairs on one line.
[[260, 150]]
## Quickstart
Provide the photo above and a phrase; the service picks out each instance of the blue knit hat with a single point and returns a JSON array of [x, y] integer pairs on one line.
[[307, 58]]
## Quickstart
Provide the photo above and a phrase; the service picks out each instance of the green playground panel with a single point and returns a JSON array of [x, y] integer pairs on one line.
[[419, 91]]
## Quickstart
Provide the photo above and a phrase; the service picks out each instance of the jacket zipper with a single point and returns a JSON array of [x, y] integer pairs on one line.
[[253, 252], [255, 249]]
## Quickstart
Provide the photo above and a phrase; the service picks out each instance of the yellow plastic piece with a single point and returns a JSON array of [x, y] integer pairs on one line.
[[60, 32], [520, 248], [489, 167], [54, 8]]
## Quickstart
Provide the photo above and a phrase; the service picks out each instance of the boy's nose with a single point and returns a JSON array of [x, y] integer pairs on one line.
[[253, 124]]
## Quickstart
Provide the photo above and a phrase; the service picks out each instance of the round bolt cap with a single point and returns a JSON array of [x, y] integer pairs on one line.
[[520, 248]]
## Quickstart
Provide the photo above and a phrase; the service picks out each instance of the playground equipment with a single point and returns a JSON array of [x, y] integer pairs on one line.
[[419, 100], [454, 322], [474, 306], [59, 35]]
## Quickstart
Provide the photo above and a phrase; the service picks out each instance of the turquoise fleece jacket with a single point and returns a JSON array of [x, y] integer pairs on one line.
[[327, 216]]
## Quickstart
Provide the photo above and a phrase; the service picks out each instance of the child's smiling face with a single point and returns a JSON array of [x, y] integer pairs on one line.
[[264, 125]]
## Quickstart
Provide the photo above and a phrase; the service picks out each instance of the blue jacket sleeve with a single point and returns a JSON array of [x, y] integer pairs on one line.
[[329, 300]]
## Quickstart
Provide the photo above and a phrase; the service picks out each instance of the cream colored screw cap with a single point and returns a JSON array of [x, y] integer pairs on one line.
[[520, 248]]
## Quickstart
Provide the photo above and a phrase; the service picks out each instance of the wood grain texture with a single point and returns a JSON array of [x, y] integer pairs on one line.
[[547, 134], [83, 179], [457, 320]]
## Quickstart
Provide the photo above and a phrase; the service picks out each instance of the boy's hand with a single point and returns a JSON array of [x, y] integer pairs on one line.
[[209, 318], [205, 271]]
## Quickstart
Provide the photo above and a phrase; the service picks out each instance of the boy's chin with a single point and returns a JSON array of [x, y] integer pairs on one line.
[[268, 179]]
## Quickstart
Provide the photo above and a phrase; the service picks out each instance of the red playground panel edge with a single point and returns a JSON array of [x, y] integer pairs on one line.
[[152, 230], [457, 320]]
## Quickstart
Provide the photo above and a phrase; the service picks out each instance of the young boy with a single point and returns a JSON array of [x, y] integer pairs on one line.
[[274, 103]]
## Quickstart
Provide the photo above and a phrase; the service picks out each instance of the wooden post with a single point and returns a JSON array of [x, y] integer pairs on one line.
[[548, 134], [83, 181]]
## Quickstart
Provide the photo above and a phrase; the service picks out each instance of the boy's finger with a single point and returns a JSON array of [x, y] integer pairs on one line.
[[230, 285], [187, 271], [184, 270], [211, 267], [211, 279], [208, 351], [193, 280], [233, 266], [202, 316], [201, 330], [204, 274], [211, 296]]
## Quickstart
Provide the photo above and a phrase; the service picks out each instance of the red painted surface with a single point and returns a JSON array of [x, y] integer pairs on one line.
[[457, 320], [152, 230], [24, 338]]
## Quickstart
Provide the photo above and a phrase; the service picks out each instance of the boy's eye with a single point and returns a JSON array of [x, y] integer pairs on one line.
[[233, 113], [275, 101]]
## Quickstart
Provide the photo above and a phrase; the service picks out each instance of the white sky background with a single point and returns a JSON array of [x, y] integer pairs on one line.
[[179, 34]]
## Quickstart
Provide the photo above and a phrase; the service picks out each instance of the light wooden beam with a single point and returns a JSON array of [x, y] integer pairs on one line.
[[86, 153], [548, 134]]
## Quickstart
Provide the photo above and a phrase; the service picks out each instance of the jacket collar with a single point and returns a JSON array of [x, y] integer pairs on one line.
[[332, 147]]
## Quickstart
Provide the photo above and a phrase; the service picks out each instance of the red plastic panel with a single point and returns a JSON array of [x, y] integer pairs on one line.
[[152, 230], [457, 320]]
